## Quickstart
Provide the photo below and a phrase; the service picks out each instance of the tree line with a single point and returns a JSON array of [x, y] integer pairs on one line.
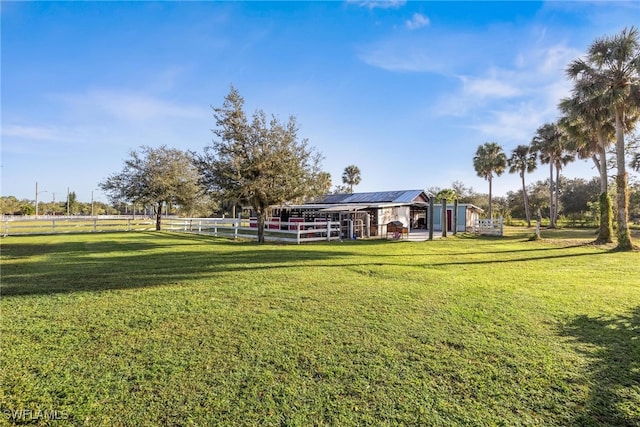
[[603, 109]]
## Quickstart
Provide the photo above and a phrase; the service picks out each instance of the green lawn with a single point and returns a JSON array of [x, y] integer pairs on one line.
[[135, 329]]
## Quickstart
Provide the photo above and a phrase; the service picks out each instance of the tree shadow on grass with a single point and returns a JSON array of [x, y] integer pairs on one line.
[[123, 263], [612, 346]]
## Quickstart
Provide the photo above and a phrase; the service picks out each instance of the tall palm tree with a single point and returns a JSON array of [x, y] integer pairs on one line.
[[548, 142], [590, 129], [523, 160], [351, 176], [489, 160], [611, 72]]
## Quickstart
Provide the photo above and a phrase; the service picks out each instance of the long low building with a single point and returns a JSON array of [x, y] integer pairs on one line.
[[369, 214]]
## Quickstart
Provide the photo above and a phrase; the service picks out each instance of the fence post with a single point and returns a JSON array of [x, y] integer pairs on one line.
[[236, 224], [199, 226], [328, 225], [501, 226], [443, 221], [430, 217], [128, 224], [94, 224], [53, 225], [6, 228]]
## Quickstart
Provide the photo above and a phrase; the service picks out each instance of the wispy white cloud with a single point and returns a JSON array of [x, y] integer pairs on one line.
[[39, 133], [489, 87], [132, 106], [508, 103], [378, 4], [408, 58], [432, 52], [417, 21], [515, 123]]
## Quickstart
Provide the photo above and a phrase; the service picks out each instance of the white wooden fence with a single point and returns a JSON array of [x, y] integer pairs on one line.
[[49, 224], [295, 232], [490, 227]]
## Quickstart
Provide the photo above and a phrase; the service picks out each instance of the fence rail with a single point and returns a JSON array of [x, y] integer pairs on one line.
[[491, 227], [296, 232], [16, 226]]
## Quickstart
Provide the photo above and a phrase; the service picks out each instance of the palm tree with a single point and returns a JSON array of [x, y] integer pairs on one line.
[[589, 127], [548, 143], [611, 72], [523, 160], [489, 160], [351, 176]]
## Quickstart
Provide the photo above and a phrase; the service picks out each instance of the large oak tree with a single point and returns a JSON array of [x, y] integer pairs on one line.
[[260, 162], [155, 176]]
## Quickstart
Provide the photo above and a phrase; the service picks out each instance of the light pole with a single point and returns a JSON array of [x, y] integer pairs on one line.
[[38, 192]]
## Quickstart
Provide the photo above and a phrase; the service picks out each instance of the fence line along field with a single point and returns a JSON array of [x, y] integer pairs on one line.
[[294, 232], [158, 328], [15, 226]]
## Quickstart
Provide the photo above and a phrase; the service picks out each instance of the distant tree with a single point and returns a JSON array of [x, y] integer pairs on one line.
[[610, 72], [489, 160], [634, 201], [27, 207], [551, 144], [463, 193], [155, 176], [341, 189], [73, 203], [446, 193], [323, 181], [523, 161], [351, 176], [538, 198], [578, 193], [260, 162], [9, 205], [634, 152]]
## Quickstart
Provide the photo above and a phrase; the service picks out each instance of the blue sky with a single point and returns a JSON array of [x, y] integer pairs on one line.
[[404, 90]]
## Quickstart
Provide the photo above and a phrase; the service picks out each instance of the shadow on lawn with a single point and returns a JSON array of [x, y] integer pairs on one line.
[[612, 346], [99, 265]]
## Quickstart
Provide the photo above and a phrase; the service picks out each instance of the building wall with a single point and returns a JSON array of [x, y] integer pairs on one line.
[[386, 215], [466, 217]]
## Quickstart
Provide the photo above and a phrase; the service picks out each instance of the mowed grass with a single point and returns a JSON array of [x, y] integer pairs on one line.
[[145, 329]]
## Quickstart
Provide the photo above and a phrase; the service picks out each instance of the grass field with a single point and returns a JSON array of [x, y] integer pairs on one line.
[[146, 329]]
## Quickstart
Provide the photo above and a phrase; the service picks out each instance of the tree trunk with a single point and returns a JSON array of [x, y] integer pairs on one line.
[[158, 215], [556, 203], [526, 201], [490, 189], [552, 223], [602, 163], [605, 232], [624, 235], [262, 216]]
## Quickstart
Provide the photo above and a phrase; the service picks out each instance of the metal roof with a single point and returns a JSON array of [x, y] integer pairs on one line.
[[402, 196]]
